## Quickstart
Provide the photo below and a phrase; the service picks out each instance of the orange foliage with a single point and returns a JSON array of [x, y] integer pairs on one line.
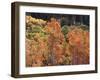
[[79, 44], [54, 26], [53, 48]]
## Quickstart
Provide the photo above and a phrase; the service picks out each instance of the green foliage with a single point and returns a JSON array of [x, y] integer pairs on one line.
[[37, 29], [30, 35], [65, 29], [84, 27], [31, 32]]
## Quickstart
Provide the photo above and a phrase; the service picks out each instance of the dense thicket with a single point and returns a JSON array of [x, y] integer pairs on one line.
[[48, 43]]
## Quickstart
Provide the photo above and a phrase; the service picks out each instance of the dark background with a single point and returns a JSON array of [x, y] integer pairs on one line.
[[64, 19]]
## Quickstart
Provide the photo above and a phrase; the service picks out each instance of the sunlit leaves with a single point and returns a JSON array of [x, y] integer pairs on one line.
[[49, 44]]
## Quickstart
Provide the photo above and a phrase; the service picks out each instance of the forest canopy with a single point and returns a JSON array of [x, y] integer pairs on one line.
[[56, 39]]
